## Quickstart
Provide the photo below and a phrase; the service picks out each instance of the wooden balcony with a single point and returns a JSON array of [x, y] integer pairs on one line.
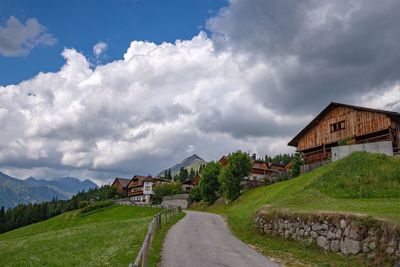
[[135, 193]]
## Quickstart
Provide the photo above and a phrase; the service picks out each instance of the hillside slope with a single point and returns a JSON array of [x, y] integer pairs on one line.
[[192, 162], [109, 237], [360, 183]]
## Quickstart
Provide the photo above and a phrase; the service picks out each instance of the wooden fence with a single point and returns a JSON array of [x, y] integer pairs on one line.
[[158, 220], [312, 166]]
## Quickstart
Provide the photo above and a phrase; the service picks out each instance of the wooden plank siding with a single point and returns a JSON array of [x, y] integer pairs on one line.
[[357, 123], [338, 121]]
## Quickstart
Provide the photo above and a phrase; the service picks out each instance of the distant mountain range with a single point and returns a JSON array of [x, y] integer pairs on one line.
[[192, 162], [14, 191]]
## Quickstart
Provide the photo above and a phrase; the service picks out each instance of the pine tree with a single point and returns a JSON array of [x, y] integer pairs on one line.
[[192, 174], [2, 219], [297, 162]]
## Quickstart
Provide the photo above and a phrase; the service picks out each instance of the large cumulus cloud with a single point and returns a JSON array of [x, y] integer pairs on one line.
[[265, 70], [136, 115]]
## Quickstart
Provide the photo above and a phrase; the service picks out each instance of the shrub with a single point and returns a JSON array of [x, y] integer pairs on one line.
[[195, 194], [163, 190], [267, 181], [346, 141]]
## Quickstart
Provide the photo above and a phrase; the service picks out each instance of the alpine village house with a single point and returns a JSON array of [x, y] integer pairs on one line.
[[340, 122], [138, 189]]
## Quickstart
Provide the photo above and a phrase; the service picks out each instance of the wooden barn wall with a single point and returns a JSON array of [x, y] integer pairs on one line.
[[357, 123]]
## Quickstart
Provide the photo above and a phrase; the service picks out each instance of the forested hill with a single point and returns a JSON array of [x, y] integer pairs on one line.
[[14, 191], [193, 162]]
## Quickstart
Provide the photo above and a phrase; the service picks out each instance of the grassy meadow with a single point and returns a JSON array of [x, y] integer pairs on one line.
[[362, 183], [111, 236]]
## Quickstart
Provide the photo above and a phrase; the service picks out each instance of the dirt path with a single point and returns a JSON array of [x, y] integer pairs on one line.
[[203, 239]]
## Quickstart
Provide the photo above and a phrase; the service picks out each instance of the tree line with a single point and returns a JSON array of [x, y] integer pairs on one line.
[[25, 214], [183, 174], [217, 181], [280, 158]]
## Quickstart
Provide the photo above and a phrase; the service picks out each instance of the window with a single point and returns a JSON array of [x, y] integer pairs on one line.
[[147, 188], [337, 126]]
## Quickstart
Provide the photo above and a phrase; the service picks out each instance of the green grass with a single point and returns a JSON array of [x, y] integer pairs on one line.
[[156, 247], [362, 175], [109, 237], [319, 191]]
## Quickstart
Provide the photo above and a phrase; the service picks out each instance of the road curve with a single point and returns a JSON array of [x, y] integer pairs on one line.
[[203, 239]]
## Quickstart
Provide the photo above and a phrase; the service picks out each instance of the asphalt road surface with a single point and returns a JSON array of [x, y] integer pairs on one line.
[[203, 239]]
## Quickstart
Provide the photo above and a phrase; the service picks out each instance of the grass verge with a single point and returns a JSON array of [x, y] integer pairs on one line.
[[111, 236]]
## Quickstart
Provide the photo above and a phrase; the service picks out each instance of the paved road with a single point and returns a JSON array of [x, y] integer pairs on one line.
[[203, 239]]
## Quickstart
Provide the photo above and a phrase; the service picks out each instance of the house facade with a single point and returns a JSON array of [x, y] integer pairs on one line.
[[140, 188], [187, 186], [122, 185], [338, 122]]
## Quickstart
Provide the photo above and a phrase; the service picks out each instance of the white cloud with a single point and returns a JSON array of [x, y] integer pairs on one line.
[[99, 49], [251, 86], [17, 39], [135, 115]]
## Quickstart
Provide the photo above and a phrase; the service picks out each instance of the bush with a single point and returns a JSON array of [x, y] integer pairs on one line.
[[195, 194], [346, 141], [96, 206], [267, 181], [163, 190]]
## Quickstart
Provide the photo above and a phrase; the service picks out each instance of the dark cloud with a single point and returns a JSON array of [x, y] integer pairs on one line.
[[320, 51], [242, 123]]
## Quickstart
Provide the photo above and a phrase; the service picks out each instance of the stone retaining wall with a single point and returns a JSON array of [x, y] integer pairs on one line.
[[181, 201], [344, 233]]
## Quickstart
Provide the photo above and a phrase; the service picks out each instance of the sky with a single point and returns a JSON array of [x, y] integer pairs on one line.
[[98, 89]]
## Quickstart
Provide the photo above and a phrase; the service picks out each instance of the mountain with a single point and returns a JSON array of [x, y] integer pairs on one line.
[[192, 162], [65, 185], [14, 191]]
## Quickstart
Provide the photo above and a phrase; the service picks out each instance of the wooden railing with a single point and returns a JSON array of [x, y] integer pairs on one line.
[[155, 225]]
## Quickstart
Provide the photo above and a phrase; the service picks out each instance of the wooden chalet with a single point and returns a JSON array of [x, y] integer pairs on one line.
[[340, 121], [186, 186], [122, 185], [140, 188], [279, 167]]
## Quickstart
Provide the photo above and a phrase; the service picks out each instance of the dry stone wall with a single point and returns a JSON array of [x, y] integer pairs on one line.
[[343, 233]]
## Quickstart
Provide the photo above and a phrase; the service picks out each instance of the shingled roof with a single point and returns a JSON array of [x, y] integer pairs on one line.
[[123, 181], [393, 115]]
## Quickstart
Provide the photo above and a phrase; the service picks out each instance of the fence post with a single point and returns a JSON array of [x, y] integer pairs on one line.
[[155, 225]]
